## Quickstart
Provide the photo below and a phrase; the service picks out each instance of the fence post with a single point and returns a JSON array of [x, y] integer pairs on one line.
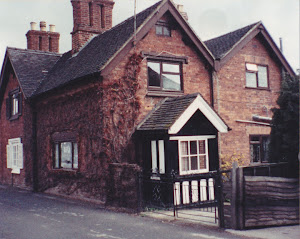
[[237, 198], [240, 199], [234, 196]]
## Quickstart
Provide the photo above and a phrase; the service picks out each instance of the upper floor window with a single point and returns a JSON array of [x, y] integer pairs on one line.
[[14, 104], [256, 76], [164, 75], [162, 28], [259, 145]]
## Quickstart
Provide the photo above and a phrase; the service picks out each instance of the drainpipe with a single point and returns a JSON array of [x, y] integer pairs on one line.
[[34, 148], [212, 88]]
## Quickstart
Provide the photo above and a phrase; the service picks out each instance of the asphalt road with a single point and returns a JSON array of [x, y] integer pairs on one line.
[[27, 215]]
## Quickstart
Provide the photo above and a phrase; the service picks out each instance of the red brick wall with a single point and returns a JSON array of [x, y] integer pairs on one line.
[[75, 109], [34, 37], [195, 75], [14, 129], [104, 123], [236, 102]]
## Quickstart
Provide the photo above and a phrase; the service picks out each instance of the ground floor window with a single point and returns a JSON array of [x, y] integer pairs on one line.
[[158, 156], [193, 154], [259, 146], [14, 151], [65, 155]]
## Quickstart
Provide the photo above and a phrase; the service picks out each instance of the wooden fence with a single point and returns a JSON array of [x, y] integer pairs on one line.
[[257, 201]]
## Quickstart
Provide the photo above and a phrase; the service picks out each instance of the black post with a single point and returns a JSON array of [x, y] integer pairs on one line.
[[140, 193]]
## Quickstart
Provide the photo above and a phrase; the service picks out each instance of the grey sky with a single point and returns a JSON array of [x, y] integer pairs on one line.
[[208, 18]]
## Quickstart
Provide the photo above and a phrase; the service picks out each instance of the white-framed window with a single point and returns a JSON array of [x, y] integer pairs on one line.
[[158, 156], [193, 154], [14, 152], [256, 76]]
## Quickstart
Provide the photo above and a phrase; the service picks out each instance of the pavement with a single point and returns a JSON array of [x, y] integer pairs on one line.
[[206, 218]]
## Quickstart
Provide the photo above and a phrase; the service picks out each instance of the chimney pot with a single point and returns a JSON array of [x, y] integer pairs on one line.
[[43, 26], [52, 27], [33, 26]]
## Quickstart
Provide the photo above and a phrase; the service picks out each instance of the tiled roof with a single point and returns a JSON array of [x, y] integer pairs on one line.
[[163, 116], [219, 46], [31, 67], [94, 55]]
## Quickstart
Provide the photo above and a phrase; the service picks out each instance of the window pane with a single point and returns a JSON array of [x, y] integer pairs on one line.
[[154, 156], [255, 152], [56, 156], [75, 162], [171, 68], [193, 147], [194, 163], [265, 149], [15, 155], [15, 105], [159, 30], [167, 31], [201, 146], [184, 147], [185, 164], [171, 82], [161, 152], [154, 74], [250, 79], [251, 67], [262, 76], [202, 161], [66, 155]]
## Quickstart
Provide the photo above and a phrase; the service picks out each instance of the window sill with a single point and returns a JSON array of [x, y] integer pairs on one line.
[[257, 88], [161, 93], [14, 117]]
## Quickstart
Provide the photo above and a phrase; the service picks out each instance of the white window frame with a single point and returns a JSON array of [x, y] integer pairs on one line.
[[158, 149], [14, 152], [193, 138]]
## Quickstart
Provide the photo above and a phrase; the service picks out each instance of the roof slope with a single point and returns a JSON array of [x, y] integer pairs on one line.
[[165, 114], [93, 55], [31, 67], [219, 46]]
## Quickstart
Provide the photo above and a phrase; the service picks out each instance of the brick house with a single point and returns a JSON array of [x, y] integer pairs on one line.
[[85, 122]]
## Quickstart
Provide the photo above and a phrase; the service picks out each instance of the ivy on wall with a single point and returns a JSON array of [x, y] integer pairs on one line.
[[120, 108]]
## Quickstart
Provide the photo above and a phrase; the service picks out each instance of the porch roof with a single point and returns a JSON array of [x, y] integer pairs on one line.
[[171, 114]]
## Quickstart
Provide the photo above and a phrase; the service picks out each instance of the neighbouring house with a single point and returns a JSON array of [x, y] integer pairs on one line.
[[85, 122]]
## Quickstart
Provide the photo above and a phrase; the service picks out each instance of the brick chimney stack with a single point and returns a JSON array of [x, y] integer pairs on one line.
[[90, 17], [42, 39], [181, 10]]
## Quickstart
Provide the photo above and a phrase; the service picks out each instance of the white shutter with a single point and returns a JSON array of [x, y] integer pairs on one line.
[[9, 156], [154, 156], [161, 150], [20, 156]]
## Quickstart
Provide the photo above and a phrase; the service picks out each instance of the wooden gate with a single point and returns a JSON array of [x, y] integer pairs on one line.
[[260, 196]]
